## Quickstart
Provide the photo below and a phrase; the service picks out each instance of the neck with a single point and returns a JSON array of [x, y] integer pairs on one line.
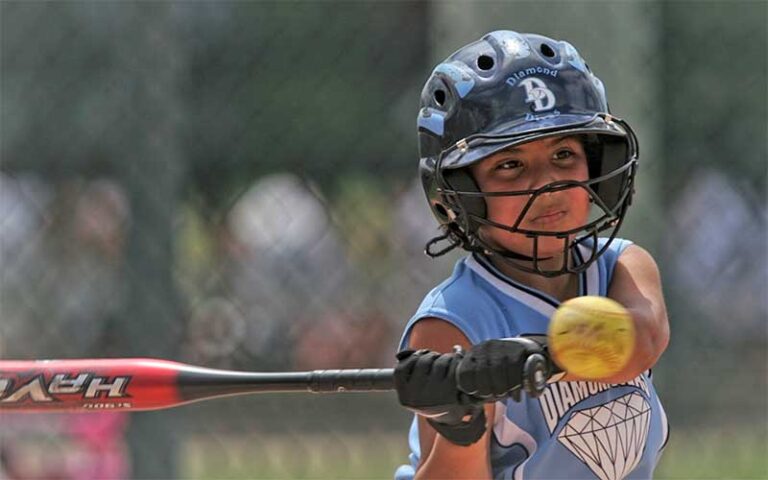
[[561, 287]]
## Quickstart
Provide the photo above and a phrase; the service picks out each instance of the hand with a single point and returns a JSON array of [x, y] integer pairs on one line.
[[494, 368], [426, 384]]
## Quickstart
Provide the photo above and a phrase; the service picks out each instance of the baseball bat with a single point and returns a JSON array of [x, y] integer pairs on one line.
[[134, 384]]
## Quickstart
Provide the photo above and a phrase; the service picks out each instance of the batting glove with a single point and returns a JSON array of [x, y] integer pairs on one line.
[[494, 369], [426, 384]]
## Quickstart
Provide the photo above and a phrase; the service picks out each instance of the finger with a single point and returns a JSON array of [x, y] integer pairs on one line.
[[482, 378], [423, 367], [407, 364], [513, 373], [465, 375], [403, 354], [442, 365], [499, 377]]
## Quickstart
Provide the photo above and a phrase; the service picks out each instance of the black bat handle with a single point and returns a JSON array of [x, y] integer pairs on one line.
[[351, 380], [535, 374]]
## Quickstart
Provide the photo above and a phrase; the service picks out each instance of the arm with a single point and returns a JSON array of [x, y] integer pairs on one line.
[[636, 284], [439, 457]]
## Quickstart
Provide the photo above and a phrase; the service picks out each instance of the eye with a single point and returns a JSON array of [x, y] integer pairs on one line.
[[509, 165], [564, 154]]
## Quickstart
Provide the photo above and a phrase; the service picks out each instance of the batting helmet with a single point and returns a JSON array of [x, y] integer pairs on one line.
[[507, 89]]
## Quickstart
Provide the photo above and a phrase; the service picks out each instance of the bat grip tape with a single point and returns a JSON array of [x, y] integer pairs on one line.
[[351, 380]]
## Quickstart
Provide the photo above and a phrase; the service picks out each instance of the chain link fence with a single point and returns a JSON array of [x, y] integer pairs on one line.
[[233, 184]]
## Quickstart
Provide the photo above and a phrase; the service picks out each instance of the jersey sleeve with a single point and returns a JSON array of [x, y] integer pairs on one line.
[[611, 256]]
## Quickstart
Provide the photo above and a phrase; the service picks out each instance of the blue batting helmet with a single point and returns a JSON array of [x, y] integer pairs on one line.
[[506, 89]]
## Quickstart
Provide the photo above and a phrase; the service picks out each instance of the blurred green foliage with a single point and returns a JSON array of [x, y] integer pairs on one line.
[[714, 91]]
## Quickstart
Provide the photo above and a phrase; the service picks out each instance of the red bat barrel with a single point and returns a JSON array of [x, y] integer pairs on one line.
[[151, 384]]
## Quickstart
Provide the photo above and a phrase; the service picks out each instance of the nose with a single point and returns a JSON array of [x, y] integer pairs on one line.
[[543, 176]]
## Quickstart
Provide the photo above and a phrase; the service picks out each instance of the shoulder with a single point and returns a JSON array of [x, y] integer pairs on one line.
[[637, 262], [459, 293], [615, 247], [624, 259], [610, 251], [459, 305]]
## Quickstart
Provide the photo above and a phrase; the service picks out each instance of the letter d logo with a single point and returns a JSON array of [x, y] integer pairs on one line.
[[536, 92]]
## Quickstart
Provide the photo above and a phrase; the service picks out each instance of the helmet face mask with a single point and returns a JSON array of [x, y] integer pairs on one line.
[[509, 89]]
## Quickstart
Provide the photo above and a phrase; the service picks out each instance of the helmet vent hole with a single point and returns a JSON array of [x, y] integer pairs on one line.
[[547, 51], [484, 62], [439, 97], [440, 209]]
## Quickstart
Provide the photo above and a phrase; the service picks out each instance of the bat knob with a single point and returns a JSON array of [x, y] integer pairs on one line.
[[535, 375]]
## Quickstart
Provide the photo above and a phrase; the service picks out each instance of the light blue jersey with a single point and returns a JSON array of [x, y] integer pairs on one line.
[[574, 430]]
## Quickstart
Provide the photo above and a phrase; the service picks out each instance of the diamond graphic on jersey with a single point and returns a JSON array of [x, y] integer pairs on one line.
[[609, 438]]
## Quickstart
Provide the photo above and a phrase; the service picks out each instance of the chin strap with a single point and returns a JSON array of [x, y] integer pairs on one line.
[[484, 249], [455, 239], [453, 243]]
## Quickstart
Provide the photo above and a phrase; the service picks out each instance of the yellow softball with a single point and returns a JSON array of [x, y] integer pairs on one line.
[[591, 337]]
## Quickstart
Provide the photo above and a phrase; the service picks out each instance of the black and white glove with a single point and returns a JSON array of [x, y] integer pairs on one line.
[[494, 368], [426, 384]]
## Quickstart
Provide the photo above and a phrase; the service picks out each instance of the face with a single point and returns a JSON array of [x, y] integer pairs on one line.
[[531, 166]]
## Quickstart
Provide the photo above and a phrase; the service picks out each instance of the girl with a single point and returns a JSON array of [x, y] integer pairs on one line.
[[525, 168]]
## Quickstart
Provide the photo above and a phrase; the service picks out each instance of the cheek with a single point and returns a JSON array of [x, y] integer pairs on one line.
[[505, 210], [580, 205]]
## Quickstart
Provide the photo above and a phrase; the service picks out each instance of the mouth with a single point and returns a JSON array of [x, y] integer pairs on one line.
[[552, 216]]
